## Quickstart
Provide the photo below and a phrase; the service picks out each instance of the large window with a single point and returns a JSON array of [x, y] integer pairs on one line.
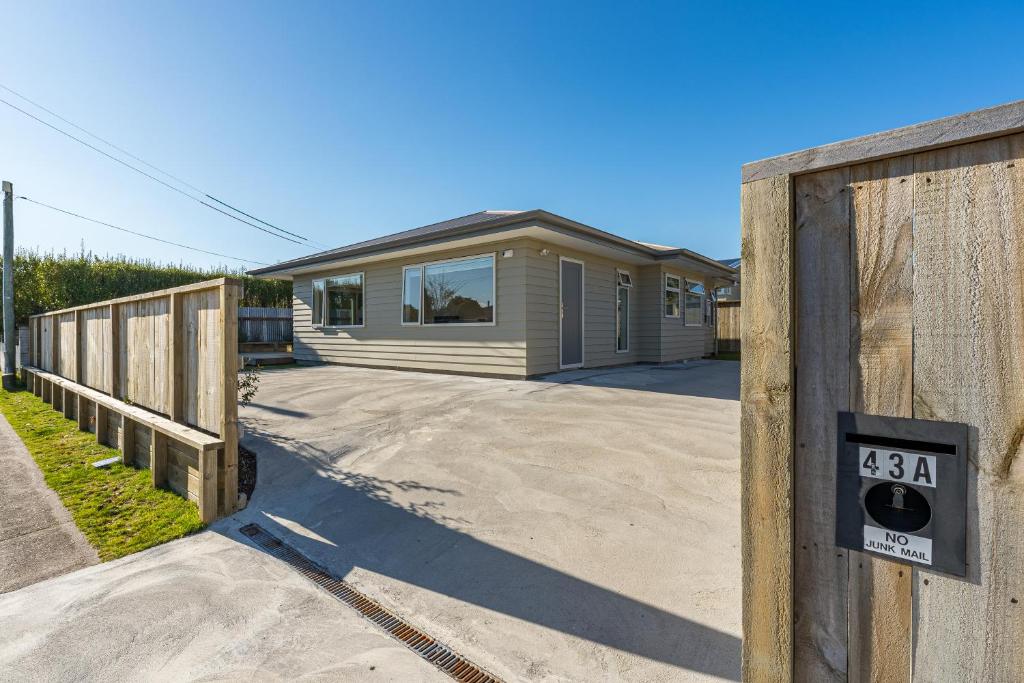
[[455, 292], [671, 296], [338, 301], [694, 303], [622, 312]]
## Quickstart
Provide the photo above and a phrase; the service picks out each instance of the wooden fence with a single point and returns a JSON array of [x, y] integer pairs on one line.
[[883, 276], [154, 375], [264, 324], [728, 327]]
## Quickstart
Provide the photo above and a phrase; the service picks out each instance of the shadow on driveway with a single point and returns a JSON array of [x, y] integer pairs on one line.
[[702, 379], [362, 524]]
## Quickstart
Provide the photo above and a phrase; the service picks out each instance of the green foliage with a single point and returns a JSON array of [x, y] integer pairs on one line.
[[50, 281], [248, 384], [117, 508]]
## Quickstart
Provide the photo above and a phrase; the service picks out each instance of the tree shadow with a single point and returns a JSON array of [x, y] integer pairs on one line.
[[344, 520]]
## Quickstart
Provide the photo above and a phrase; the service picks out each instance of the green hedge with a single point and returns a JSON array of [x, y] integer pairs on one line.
[[50, 281]]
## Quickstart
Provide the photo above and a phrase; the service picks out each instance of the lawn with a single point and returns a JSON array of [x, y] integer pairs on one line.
[[117, 507], [726, 356]]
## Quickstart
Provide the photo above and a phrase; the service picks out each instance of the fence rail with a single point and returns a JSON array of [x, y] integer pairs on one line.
[[257, 324], [728, 327], [172, 352]]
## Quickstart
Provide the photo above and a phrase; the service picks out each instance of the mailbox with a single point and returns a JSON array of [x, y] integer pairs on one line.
[[901, 490]]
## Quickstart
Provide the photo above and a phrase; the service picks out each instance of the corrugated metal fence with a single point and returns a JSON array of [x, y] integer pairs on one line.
[[257, 324]]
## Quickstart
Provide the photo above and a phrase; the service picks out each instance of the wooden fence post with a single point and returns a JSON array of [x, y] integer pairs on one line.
[[79, 327], [207, 485], [158, 457], [114, 388], [766, 443], [83, 413], [101, 423], [176, 377], [229, 296], [67, 401], [127, 441]]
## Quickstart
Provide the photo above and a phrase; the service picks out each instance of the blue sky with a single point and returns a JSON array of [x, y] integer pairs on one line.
[[344, 121]]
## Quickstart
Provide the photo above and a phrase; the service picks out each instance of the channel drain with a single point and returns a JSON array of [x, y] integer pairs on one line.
[[438, 654]]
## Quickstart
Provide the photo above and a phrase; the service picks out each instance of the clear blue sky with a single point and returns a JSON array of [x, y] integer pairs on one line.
[[345, 121]]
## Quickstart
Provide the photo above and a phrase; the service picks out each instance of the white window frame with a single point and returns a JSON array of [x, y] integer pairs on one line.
[[682, 302], [401, 306], [677, 289], [323, 304], [423, 281], [619, 285]]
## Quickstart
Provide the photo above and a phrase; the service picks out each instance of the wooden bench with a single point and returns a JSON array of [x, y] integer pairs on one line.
[[61, 393]]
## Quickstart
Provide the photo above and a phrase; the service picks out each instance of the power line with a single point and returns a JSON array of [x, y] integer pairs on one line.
[[97, 137], [139, 234], [139, 170], [155, 168]]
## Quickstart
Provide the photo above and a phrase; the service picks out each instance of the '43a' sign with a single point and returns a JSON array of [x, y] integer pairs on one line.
[[909, 467], [901, 489]]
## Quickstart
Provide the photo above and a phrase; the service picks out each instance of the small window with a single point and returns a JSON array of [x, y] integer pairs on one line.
[[694, 303], [671, 296], [622, 318], [624, 279], [318, 302], [338, 301], [412, 295]]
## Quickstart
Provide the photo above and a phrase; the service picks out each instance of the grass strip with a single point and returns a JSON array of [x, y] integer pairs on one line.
[[116, 508]]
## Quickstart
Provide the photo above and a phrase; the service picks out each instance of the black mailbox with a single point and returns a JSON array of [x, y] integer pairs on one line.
[[901, 490]]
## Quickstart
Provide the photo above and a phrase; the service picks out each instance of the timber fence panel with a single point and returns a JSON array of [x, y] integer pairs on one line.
[[728, 326], [153, 374], [260, 324]]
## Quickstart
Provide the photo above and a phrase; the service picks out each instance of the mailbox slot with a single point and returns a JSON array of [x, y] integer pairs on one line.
[[901, 490]]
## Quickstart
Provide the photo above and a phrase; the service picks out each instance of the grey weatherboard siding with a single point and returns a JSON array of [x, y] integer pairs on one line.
[[525, 339]]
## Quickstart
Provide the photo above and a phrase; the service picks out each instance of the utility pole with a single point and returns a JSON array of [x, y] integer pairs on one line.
[[9, 332]]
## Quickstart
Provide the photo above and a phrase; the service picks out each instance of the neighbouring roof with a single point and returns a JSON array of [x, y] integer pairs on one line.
[[482, 221], [733, 263]]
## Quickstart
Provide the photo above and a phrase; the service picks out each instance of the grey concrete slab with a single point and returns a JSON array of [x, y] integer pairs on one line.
[[38, 539], [207, 607], [583, 527]]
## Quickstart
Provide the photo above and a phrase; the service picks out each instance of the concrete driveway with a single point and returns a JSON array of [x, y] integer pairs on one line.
[[204, 608], [580, 528]]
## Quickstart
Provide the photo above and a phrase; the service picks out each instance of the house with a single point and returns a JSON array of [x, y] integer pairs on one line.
[[503, 293], [732, 292]]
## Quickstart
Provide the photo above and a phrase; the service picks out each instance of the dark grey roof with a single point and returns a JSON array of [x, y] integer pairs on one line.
[[730, 262], [471, 223], [479, 218]]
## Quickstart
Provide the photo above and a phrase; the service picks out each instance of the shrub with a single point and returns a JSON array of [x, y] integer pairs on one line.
[[51, 281]]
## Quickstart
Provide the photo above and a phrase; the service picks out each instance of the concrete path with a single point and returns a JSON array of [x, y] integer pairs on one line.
[[207, 607], [581, 528], [38, 540]]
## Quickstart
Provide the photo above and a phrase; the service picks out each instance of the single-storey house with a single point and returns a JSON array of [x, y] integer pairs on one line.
[[504, 293]]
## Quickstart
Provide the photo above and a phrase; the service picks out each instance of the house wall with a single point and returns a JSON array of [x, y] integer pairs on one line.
[[525, 340], [384, 342], [542, 299], [678, 340]]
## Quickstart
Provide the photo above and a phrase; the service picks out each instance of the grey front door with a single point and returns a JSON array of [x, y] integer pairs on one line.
[[571, 304]]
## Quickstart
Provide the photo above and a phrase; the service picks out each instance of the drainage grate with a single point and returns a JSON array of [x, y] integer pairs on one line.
[[438, 654]]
